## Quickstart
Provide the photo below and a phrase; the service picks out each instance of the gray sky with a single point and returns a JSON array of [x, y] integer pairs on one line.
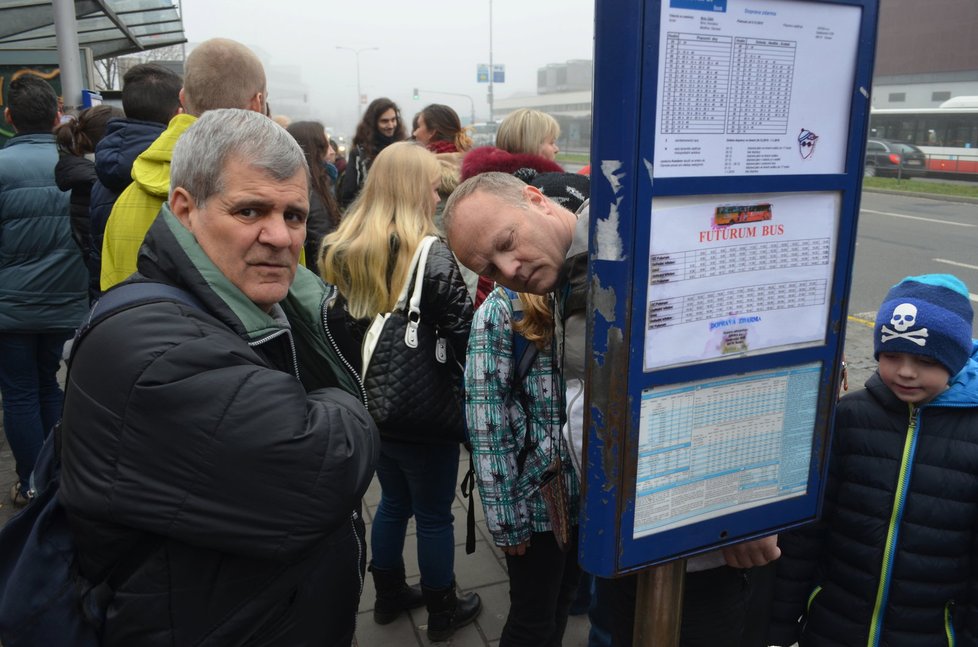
[[429, 44]]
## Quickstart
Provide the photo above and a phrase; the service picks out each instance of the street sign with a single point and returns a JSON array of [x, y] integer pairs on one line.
[[482, 73], [498, 73], [726, 180], [91, 98]]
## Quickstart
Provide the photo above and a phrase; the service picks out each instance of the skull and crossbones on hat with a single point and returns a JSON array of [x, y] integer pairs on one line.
[[904, 318]]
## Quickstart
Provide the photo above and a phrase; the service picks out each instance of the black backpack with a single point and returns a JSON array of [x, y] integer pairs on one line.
[[44, 600]]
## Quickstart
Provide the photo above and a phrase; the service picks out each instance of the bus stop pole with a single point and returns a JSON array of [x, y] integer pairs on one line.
[[66, 29], [659, 605]]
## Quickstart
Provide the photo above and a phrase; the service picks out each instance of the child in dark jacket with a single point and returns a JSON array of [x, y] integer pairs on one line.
[[894, 560]]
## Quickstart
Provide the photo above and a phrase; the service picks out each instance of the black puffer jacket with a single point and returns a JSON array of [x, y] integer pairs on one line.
[[895, 558], [77, 174], [194, 433]]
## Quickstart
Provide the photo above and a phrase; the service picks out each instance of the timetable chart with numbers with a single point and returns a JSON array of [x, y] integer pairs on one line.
[[747, 88], [730, 275], [709, 449]]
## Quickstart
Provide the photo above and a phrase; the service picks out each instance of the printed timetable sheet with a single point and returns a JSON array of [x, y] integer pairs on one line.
[[731, 275], [752, 87], [708, 449]]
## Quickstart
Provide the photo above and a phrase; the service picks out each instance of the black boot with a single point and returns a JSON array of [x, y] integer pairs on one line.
[[447, 612], [394, 596]]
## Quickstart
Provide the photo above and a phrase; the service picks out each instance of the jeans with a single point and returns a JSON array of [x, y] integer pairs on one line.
[[542, 584], [32, 398], [417, 479]]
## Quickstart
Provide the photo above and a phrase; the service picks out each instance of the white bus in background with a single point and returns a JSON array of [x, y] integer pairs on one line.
[[947, 135]]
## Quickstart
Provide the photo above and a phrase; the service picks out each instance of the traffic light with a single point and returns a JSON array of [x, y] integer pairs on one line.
[[417, 95]]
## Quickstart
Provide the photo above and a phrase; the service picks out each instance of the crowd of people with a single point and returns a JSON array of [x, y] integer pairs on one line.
[[216, 447]]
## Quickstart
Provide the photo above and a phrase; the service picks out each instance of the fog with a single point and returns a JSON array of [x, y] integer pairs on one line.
[[432, 45]]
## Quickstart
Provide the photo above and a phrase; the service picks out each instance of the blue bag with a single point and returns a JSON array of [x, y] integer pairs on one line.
[[44, 600]]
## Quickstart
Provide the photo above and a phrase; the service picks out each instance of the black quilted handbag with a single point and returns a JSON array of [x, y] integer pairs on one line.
[[413, 383]]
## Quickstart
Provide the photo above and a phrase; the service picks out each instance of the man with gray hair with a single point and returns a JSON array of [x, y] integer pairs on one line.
[[215, 454], [218, 73]]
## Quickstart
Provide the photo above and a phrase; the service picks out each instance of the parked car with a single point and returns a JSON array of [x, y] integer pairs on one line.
[[483, 133], [893, 158]]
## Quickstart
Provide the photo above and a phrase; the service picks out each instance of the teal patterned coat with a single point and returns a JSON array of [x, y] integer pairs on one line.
[[513, 505]]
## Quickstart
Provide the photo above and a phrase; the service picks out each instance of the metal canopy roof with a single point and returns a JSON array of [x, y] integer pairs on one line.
[[108, 27]]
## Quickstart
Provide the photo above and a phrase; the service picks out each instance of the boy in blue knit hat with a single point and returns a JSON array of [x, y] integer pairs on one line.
[[894, 560]]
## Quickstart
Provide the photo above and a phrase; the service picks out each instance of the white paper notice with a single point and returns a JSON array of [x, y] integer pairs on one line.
[[738, 274], [713, 448], [754, 87]]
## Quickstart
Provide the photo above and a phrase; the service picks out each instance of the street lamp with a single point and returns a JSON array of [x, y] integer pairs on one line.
[[359, 96]]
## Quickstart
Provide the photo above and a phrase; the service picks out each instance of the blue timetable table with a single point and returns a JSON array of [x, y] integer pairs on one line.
[[718, 447]]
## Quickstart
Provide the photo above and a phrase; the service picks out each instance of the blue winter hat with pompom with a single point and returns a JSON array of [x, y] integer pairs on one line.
[[926, 315]]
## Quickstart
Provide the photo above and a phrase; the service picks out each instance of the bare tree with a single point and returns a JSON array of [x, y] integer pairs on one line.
[[110, 70]]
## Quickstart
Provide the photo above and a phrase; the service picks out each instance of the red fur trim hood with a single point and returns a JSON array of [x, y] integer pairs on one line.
[[489, 158]]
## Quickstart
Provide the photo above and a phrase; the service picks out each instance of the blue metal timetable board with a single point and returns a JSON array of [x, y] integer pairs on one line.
[[727, 144]]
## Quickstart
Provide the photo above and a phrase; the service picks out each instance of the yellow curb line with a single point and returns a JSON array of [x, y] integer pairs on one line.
[[860, 320]]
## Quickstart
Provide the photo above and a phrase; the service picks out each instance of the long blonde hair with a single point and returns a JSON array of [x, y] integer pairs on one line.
[[368, 255], [537, 324]]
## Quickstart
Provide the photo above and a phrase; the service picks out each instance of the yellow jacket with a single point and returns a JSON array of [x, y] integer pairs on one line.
[[138, 205]]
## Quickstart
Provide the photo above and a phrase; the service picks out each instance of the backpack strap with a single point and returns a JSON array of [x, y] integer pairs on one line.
[[120, 297], [128, 295], [525, 353]]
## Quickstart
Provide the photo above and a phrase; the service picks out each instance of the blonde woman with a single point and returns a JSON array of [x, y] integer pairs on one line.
[[526, 139], [368, 257]]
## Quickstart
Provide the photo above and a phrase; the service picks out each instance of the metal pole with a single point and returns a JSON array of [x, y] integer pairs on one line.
[[69, 60], [490, 63], [356, 53], [659, 605]]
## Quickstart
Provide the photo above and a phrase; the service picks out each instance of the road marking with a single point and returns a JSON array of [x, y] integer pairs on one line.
[[971, 295], [947, 262], [901, 215], [860, 320]]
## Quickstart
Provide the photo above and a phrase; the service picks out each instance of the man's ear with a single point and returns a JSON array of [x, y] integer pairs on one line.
[[536, 198], [183, 101], [181, 204], [257, 103], [7, 117]]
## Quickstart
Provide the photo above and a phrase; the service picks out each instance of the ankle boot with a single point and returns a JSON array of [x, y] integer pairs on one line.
[[447, 612], [394, 596]]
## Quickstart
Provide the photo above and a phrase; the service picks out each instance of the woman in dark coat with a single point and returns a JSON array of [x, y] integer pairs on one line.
[[75, 172]]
